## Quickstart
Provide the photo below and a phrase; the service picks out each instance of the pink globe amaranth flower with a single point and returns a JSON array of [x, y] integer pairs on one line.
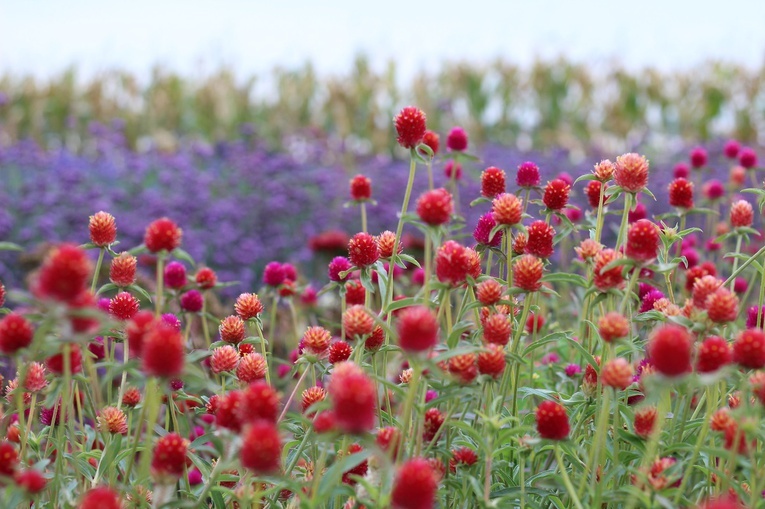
[[751, 317], [740, 285], [698, 157], [574, 214], [457, 139], [631, 172], [175, 275], [714, 189], [681, 171], [649, 299], [528, 175], [410, 126], [273, 274], [747, 158], [731, 149], [572, 370], [639, 212], [453, 168], [336, 266], [192, 301], [486, 224]]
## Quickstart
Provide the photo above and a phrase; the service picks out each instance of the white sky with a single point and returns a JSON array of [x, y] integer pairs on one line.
[[44, 37]]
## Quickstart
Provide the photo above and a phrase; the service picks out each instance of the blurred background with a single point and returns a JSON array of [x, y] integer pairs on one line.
[[259, 109]]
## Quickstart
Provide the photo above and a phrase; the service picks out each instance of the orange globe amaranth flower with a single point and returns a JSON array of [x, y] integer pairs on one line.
[[386, 242], [433, 422], [316, 340], [122, 269], [702, 288], [248, 306], [311, 396], [357, 321], [617, 373], [631, 172], [520, 241], [489, 292], [251, 367], [507, 209], [604, 170], [35, 377], [224, 358], [720, 420], [132, 397], [497, 328], [232, 329], [722, 306], [103, 229], [588, 248], [492, 182], [162, 235], [527, 273], [492, 361], [410, 126], [612, 326], [112, 420], [741, 214], [464, 367], [611, 278]]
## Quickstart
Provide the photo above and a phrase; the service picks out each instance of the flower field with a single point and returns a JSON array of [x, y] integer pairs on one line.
[[232, 326]]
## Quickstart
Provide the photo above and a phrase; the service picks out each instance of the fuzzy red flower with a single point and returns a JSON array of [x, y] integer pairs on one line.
[[645, 421], [131, 397], [101, 498], [339, 351], [454, 263], [435, 207], [714, 353], [698, 157], [226, 410], [206, 278], [507, 209], [359, 470], [556, 194], [528, 175], [540, 239], [375, 340], [457, 139], [64, 273], [631, 172], [252, 367], [607, 279], [361, 188], [163, 351], [103, 229], [417, 329], [492, 362], [232, 330], [722, 306], [410, 126], [432, 140], [31, 481], [112, 420], [248, 306], [681, 193], [432, 423], [669, 350], [15, 333], [747, 158], [492, 182], [612, 326], [311, 396], [354, 398], [703, 287], [527, 273], [162, 234], [741, 214], [462, 456], [55, 363], [35, 380], [642, 241], [259, 402], [388, 439], [497, 328], [749, 349], [464, 367], [224, 358], [617, 373], [552, 421], [489, 292], [363, 250], [415, 486], [169, 459], [357, 321], [604, 170], [9, 459], [124, 306], [592, 190], [316, 339]]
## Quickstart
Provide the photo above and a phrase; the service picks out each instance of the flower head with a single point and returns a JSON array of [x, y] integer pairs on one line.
[[248, 306], [556, 193], [669, 350], [528, 175], [435, 207], [64, 273], [162, 235], [643, 241], [103, 229], [169, 458], [417, 329], [507, 209], [15, 333], [631, 172], [486, 224], [163, 351], [749, 349], [363, 250], [552, 421], [361, 188], [410, 126], [112, 420], [681, 193], [540, 239], [354, 398], [492, 182], [527, 273], [415, 485], [251, 367]]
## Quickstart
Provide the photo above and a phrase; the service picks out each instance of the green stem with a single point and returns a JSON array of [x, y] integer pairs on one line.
[[697, 448], [566, 479], [600, 219], [160, 283], [743, 266], [263, 352], [628, 199], [100, 261], [735, 259], [409, 405], [628, 292], [363, 216]]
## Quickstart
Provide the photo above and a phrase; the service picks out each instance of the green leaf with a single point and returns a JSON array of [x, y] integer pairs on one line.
[[183, 255], [10, 246], [140, 291], [563, 277]]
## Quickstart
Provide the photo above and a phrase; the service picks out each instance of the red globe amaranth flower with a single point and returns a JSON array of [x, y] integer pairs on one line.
[[527, 273], [669, 350], [124, 306], [132, 397], [722, 306], [698, 157], [248, 306], [31, 481], [432, 423], [695, 273], [592, 190], [415, 485], [486, 224], [747, 158], [226, 410], [534, 323], [491, 361], [206, 278], [462, 456], [724, 502], [552, 421], [638, 213], [192, 301], [492, 182], [64, 274], [432, 140], [741, 214], [232, 330], [681, 193], [311, 396], [457, 139], [363, 250], [642, 244], [645, 421], [357, 322], [489, 292], [355, 293], [528, 175], [435, 207], [540, 239], [714, 353], [519, 243], [224, 358], [35, 379], [375, 340], [703, 287], [388, 440], [354, 398], [749, 349], [359, 470], [556, 194], [410, 126], [103, 229], [464, 367], [15, 333], [453, 170], [454, 263], [122, 269], [252, 367], [101, 498], [361, 188], [617, 373], [631, 172], [507, 209], [55, 363], [259, 402], [731, 149], [9, 459], [169, 459], [417, 329], [162, 235], [612, 326], [497, 328], [339, 351], [163, 351]]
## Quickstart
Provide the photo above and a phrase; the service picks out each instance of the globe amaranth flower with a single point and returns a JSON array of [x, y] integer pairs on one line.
[[102, 229], [631, 172], [410, 126], [162, 235]]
